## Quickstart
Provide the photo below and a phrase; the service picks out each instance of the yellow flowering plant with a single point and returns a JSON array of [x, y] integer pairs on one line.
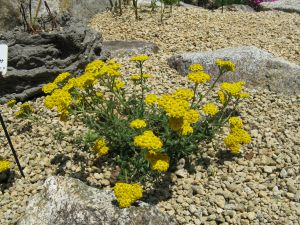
[[142, 133]]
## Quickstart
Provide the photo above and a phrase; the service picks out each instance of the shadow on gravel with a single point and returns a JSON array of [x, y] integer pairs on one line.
[[7, 179], [159, 192]]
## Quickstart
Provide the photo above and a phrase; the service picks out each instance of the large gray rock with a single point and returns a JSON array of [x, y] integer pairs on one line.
[[9, 15], [237, 8], [35, 60], [81, 9], [253, 65], [127, 48], [67, 201], [282, 5]]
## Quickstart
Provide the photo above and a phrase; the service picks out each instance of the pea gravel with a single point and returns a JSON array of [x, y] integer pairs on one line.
[[261, 186]]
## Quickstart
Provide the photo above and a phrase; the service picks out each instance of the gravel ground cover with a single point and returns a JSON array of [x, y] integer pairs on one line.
[[261, 186]]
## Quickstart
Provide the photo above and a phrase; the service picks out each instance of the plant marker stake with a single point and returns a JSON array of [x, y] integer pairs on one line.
[[3, 70], [11, 145]]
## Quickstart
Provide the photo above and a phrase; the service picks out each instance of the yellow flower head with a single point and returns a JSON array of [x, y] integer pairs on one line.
[[236, 122], [4, 165], [138, 124], [118, 85], [127, 194], [210, 109], [60, 99], [181, 126], [159, 162], [191, 116], [195, 68], [19, 113], [70, 84], [94, 67], [225, 65], [148, 141], [233, 89], [237, 136], [183, 94], [86, 80], [146, 76], [25, 109], [110, 70], [49, 88], [101, 147], [135, 77], [99, 94], [11, 103], [244, 95], [222, 97], [140, 58], [198, 77], [61, 77], [151, 99]]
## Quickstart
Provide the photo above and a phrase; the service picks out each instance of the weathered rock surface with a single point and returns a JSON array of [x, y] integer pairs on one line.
[[81, 9], [282, 5], [67, 201], [121, 48], [253, 65], [35, 60], [9, 15], [237, 8]]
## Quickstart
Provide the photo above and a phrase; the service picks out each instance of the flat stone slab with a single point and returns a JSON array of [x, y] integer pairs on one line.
[[68, 201], [282, 5], [257, 67], [125, 48]]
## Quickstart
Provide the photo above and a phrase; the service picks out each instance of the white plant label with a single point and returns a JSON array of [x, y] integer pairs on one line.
[[3, 58]]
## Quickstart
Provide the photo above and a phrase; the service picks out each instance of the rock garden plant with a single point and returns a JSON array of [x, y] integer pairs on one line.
[[142, 133]]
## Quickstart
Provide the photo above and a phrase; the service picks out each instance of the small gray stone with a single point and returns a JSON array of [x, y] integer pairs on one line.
[[283, 173], [182, 173], [268, 169]]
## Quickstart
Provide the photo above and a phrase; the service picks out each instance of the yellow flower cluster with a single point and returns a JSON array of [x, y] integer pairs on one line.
[[148, 141], [4, 165], [225, 65], [94, 67], [49, 88], [234, 89], [195, 68], [172, 106], [101, 147], [111, 69], [151, 99], [177, 108], [237, 135], [159, 162], [25, 108], [210, 109], [61, 77], [60, 99], [11, 103], [140, 58], [183, 94], [139, 77], [198, 77], [127, 194], [138, 124]]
